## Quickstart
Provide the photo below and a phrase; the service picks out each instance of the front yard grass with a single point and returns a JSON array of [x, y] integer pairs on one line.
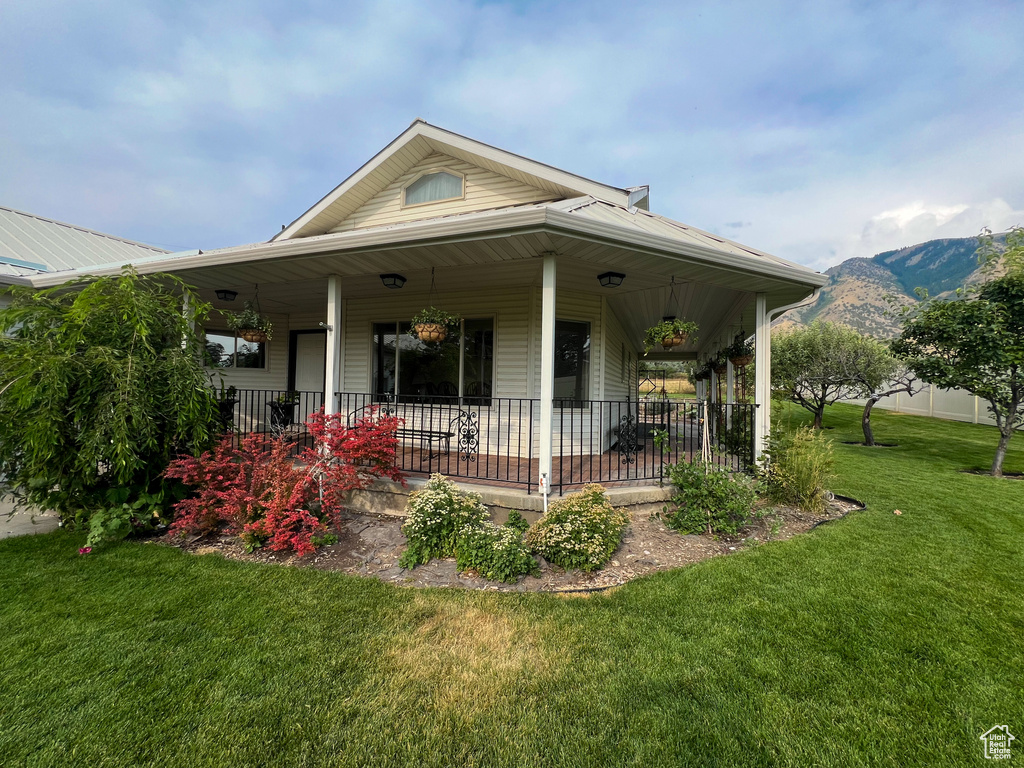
[[875, 640]]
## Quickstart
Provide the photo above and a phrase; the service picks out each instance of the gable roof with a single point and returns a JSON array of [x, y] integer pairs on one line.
[[422, 139], [31, 244]]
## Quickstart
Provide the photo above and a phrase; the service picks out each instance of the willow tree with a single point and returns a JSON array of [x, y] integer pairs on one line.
[[101, 385]]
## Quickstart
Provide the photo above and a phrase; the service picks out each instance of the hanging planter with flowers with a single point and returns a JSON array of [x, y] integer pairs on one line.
[[432, 324], [251, 324], [669, 333], [741, 351]]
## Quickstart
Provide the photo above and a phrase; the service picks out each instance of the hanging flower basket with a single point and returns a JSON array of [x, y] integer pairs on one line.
[[253, 335], [669, 334], [741, 352], [432, 324], [251, 324], [720, 369], [741, 361], [431, 332]]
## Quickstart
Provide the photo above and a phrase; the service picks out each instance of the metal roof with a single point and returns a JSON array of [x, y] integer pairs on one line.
[[28, 241], [654, 224]]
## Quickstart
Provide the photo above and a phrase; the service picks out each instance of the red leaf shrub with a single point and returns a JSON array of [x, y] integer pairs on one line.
[[258, 491], [345, 458]]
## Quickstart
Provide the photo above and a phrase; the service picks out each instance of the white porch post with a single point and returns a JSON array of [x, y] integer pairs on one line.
[[547, 372], [762, 375], [333, 366]]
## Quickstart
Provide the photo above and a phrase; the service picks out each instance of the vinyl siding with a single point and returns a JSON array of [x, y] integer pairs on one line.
[[484, 190], [618, 383]]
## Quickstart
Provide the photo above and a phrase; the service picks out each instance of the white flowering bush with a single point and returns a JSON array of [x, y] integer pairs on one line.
[[581, 530], [438, 515], [496, 552]]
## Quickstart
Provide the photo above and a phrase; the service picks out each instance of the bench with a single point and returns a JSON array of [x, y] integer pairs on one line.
[[434, 442]]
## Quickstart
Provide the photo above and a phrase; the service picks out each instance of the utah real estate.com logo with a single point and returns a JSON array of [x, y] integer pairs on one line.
[[997, 742]]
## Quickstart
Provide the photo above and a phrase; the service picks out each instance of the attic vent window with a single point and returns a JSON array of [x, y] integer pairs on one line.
[[433, 187]]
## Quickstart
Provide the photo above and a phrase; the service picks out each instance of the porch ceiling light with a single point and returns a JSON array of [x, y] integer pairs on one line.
[[224, 294], [611, 279], [392, 280]]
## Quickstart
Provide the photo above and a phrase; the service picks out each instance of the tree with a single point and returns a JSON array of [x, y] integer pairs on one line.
[[887, 380], [101, 384], [976, 343], [824, 362]]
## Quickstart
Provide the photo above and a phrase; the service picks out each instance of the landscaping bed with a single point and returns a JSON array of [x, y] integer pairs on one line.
[[371, 545]]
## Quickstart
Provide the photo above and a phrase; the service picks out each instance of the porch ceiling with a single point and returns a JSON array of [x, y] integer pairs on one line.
[[641, 301]]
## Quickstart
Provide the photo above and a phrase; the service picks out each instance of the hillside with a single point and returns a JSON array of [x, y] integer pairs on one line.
[[859, 290]]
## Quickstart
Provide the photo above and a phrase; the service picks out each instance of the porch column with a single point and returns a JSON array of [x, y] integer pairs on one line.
[[332, 363], [547, 372], [762, 375]]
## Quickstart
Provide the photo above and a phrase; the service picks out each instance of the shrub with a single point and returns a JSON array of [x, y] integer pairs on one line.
[[256, 490], [798, 468], [253, 490], [496, 552], [708, 499], [101, 385], [438, 515], [345, 458], [581, 530]]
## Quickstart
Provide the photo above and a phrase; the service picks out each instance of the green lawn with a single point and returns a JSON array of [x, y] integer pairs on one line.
[[876, 640]]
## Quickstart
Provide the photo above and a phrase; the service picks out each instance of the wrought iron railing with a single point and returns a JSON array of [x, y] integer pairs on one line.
[[270, 412], [492, 438], [497, 438]]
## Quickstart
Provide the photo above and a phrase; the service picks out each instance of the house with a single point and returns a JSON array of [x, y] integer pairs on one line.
[[555, 277]]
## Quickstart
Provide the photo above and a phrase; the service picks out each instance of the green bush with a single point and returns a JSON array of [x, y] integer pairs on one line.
[[496, 552], [438, 516], [799, 468], [102, 385], [581, 530], [708, 499]]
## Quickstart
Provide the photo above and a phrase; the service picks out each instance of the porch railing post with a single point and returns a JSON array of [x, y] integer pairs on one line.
[[547, 372], [333, 361]]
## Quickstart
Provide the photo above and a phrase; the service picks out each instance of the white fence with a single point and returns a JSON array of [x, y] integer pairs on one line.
[[952, 404]]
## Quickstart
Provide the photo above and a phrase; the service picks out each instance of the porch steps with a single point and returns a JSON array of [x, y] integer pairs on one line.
[[389, 498]]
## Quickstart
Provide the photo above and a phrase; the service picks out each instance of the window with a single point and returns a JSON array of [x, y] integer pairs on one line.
[[572, 364], [226, 350], [432, 187], [460, 366]]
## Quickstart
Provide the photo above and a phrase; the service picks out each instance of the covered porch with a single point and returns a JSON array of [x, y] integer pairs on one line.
[[545, 360], [541, 379]]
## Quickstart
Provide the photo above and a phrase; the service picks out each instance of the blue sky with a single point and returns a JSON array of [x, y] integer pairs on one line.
[[815, 131]]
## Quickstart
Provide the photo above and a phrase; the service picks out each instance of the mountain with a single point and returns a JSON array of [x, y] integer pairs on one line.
[[862, 292]]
